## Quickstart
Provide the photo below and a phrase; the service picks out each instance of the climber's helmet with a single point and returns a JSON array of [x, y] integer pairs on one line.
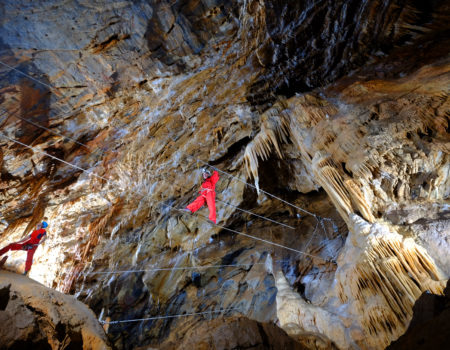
[[206, 173], [44, 224]]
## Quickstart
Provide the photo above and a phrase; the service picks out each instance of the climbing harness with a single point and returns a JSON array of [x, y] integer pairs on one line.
[[156, 201], [197, 160], [226, 203]]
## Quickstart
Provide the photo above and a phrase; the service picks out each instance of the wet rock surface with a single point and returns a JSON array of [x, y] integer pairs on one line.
[[339, 108]]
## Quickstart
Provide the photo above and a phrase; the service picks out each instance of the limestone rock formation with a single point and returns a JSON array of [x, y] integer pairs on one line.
[[328, 121], [430, 326], [233, 333], [378, 278], [36, 317]]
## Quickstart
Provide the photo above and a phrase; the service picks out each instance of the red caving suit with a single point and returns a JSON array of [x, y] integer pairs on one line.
[[208, 194], [30, 245]]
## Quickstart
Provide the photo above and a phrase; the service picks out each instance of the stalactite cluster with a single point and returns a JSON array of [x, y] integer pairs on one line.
[[390, 273], [338, 112]]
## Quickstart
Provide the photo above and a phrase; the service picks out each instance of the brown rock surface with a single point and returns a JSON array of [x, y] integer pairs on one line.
[[233, 333], [36, 317], [338, 107]]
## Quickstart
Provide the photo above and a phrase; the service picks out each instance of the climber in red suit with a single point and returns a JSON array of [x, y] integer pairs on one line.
[[207, 193], [29, 244]]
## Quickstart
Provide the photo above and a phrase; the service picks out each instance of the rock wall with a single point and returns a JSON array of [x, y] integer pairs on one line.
[[233, 333], [36, 317], [339, 108], [429, 328]]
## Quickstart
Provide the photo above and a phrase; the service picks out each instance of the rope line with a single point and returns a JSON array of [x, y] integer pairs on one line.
[[29, 76], [259, 216], [155, 201], [170, 316], [204, 267], [247, 235], [198, 160], [49, 130], [319, 218]]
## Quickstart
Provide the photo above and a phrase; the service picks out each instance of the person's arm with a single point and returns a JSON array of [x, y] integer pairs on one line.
[[215, 177], [43, 238]]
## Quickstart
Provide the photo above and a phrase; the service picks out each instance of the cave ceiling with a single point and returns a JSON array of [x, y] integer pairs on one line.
[[330, 118]]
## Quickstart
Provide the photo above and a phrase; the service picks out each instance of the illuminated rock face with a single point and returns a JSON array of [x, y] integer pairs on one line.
[[36, 317], [379, 276], [340, 108]]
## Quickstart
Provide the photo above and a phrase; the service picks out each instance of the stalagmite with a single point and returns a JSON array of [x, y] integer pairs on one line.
[[296, 315], [379, 277], [338, 110]]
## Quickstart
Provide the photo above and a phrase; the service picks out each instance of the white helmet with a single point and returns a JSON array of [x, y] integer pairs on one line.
[[206, 172]]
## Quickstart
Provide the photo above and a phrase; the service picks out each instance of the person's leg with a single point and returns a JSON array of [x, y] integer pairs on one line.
[[211, 201], [30, 254], [12, 246], [196, 204]]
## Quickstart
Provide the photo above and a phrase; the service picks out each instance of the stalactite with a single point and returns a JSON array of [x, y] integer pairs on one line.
[[274, 130], [386, 279], [329, 177], [358, 199]]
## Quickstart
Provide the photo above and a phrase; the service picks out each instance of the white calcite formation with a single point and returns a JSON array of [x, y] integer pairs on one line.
[[327, 105]]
